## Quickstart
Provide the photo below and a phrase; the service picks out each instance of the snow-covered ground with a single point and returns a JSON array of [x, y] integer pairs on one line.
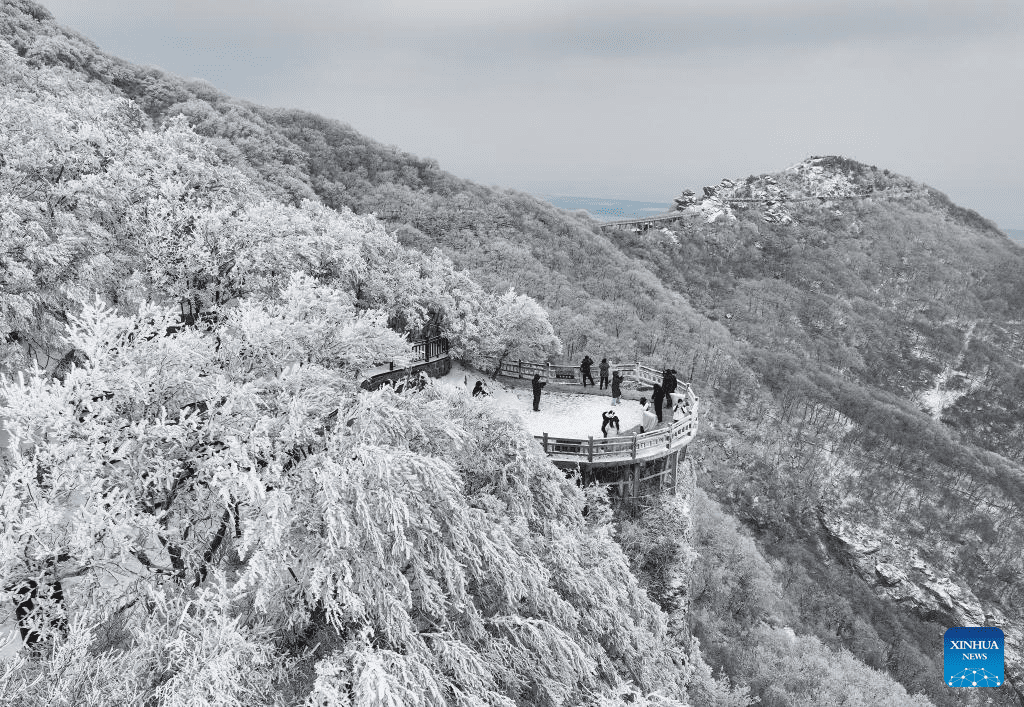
[[569, 415]]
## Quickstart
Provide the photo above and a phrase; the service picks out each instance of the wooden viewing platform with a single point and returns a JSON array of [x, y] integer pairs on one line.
[[622, 460], [635, 466]]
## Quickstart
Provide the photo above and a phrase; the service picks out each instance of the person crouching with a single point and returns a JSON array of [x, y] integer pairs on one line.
[[609, 421]]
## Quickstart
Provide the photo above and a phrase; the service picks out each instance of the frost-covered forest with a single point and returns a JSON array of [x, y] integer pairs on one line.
[[193, 290]]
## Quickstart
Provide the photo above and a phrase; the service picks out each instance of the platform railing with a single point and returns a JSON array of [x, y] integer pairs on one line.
[[429, 349], [635, 374], [424, 352]]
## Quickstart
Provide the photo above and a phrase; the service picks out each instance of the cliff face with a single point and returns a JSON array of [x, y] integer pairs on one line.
[[896, 571], [855, 337]]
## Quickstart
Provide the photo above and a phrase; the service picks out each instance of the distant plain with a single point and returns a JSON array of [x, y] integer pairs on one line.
[[608, 209]]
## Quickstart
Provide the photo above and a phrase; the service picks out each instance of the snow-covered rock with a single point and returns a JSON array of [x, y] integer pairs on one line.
[[824, 180]]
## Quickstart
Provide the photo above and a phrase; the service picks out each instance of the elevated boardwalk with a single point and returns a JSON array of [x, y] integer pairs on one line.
[[647, 221]]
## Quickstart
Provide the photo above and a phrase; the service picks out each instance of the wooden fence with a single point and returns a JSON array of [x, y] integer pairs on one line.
[[430, 355], [429, 349], [611, 450]]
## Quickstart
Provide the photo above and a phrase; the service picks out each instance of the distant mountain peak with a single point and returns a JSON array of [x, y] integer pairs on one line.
[[821, 179]]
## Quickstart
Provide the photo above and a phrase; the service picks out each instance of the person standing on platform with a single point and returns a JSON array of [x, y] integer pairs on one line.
[[658, 397], [585, 365], [616, 387], [668, 384], [649, 420], [603, 369], [537, 387]]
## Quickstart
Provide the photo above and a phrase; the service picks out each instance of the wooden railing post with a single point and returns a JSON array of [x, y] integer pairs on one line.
[[548, 371], [637, 374], [675, 470], [545, 442], [634, 446], [668, 445], [590, 448], [520, 368]]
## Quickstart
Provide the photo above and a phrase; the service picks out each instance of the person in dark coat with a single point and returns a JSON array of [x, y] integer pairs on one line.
[[603, 368], [608, 421], [616, 387], [585, 365], [478, 389], [658, 398], [668, 384], [537, 387]]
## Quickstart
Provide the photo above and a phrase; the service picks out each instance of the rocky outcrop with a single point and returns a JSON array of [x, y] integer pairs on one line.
[[898, 573], [823, 180]]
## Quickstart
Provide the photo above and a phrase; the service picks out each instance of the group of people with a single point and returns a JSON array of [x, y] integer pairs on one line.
[[614, 383], [661, 400], [661, 396], [653, 409]]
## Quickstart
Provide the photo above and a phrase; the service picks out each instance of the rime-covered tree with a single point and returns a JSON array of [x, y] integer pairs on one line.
[[233, 521], [517, 328]]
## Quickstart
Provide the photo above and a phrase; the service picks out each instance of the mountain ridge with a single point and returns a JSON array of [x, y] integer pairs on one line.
[[826, 178]]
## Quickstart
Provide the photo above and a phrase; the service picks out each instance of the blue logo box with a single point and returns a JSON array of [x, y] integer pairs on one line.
[[973, 657]]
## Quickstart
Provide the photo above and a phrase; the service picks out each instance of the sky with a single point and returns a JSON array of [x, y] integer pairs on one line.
[[630, 100]]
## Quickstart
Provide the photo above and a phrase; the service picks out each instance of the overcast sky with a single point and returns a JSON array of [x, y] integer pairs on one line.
[[633, 100]]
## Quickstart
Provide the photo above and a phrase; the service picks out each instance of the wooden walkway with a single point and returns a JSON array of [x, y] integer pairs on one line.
[[426, 355], [641, 222]]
